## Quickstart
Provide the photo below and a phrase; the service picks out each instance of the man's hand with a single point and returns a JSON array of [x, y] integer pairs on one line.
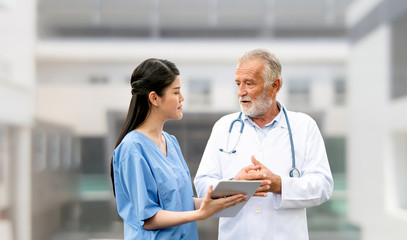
[[253, 173], [249, 173], [274, 180]]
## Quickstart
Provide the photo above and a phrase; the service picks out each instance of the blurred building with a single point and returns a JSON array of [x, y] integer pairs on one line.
[[377, 156], [37, 159]]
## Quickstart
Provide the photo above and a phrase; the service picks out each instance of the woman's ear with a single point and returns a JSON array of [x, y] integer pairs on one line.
[[153, 98]]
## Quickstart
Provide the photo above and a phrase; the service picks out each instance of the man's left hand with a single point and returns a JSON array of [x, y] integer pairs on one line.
[[275, 185]]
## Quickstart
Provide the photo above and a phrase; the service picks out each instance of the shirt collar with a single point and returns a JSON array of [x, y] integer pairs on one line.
[[278, 120]]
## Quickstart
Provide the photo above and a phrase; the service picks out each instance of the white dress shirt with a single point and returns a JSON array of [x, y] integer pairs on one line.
[[277, 216]]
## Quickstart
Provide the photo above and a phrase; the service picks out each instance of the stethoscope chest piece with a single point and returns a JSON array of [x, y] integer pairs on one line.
[[295, 173]]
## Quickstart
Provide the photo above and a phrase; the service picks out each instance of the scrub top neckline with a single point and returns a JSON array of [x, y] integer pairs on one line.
[[153, 143]]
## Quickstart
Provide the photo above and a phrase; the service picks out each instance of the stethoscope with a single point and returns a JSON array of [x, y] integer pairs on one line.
[[294, 172]]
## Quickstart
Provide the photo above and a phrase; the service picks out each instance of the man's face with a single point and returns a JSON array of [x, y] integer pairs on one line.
[[254, 99]]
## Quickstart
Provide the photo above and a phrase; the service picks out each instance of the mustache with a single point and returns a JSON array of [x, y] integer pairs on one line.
[[245, 99]]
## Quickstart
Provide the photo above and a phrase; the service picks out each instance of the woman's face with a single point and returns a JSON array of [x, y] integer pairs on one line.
[[171, 101]]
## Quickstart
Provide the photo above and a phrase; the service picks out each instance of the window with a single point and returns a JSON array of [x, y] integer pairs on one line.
[[39, 150], [66, 151], [332, 215], [93, 155], [399, 57], [199, 92], [299, 92], [98, 79], [54, 151], [340, 91], [399, 169]]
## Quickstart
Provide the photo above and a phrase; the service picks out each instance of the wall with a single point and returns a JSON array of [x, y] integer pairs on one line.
[[17, 86], [376, 122]]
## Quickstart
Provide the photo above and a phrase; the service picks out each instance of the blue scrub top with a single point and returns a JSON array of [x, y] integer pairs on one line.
[[147, 181]]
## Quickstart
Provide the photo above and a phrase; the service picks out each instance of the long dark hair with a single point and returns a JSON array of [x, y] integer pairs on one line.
[[151, 75]]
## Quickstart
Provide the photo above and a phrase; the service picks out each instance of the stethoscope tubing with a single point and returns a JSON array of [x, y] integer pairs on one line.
[[294, 172], [291, 139]]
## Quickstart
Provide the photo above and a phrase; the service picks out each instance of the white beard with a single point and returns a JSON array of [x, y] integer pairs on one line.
[[258, 107]]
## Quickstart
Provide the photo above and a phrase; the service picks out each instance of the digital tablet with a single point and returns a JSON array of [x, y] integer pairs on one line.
[[227, 188]]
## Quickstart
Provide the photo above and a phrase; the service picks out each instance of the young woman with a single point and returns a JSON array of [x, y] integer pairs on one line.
[[150, 178]]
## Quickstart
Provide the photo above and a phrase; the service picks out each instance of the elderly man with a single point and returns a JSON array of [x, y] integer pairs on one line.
[[284, 149]]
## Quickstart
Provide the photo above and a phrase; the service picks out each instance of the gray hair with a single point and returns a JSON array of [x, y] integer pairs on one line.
[[272, 69]]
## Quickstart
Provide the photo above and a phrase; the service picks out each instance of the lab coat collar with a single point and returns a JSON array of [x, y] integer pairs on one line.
[[279, 119]]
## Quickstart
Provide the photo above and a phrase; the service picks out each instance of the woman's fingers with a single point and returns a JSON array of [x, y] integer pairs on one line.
[[208, 195], [233, 200]]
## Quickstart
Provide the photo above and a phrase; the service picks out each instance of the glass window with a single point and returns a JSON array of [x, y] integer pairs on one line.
[[39, 150], [331, 217], [54, 151], [336, 151], [340, 91], [399, 169], [76, 153], [98, 79], [399, 57], [199, 92], [66, 151], [299, 92], [92, 155]]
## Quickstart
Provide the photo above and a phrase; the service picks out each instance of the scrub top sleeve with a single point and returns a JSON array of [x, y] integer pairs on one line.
[[316, 183], [141, 187]]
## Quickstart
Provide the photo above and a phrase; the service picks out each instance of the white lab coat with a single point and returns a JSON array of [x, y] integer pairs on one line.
[[277, 216]]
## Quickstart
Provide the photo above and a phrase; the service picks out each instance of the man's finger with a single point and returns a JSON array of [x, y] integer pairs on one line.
[[264, 188], [265, 182], [255, 176], [250, 167], [255, 162]]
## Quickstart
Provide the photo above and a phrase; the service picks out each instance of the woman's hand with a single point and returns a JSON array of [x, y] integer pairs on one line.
[[211, 206], [207, 207]]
